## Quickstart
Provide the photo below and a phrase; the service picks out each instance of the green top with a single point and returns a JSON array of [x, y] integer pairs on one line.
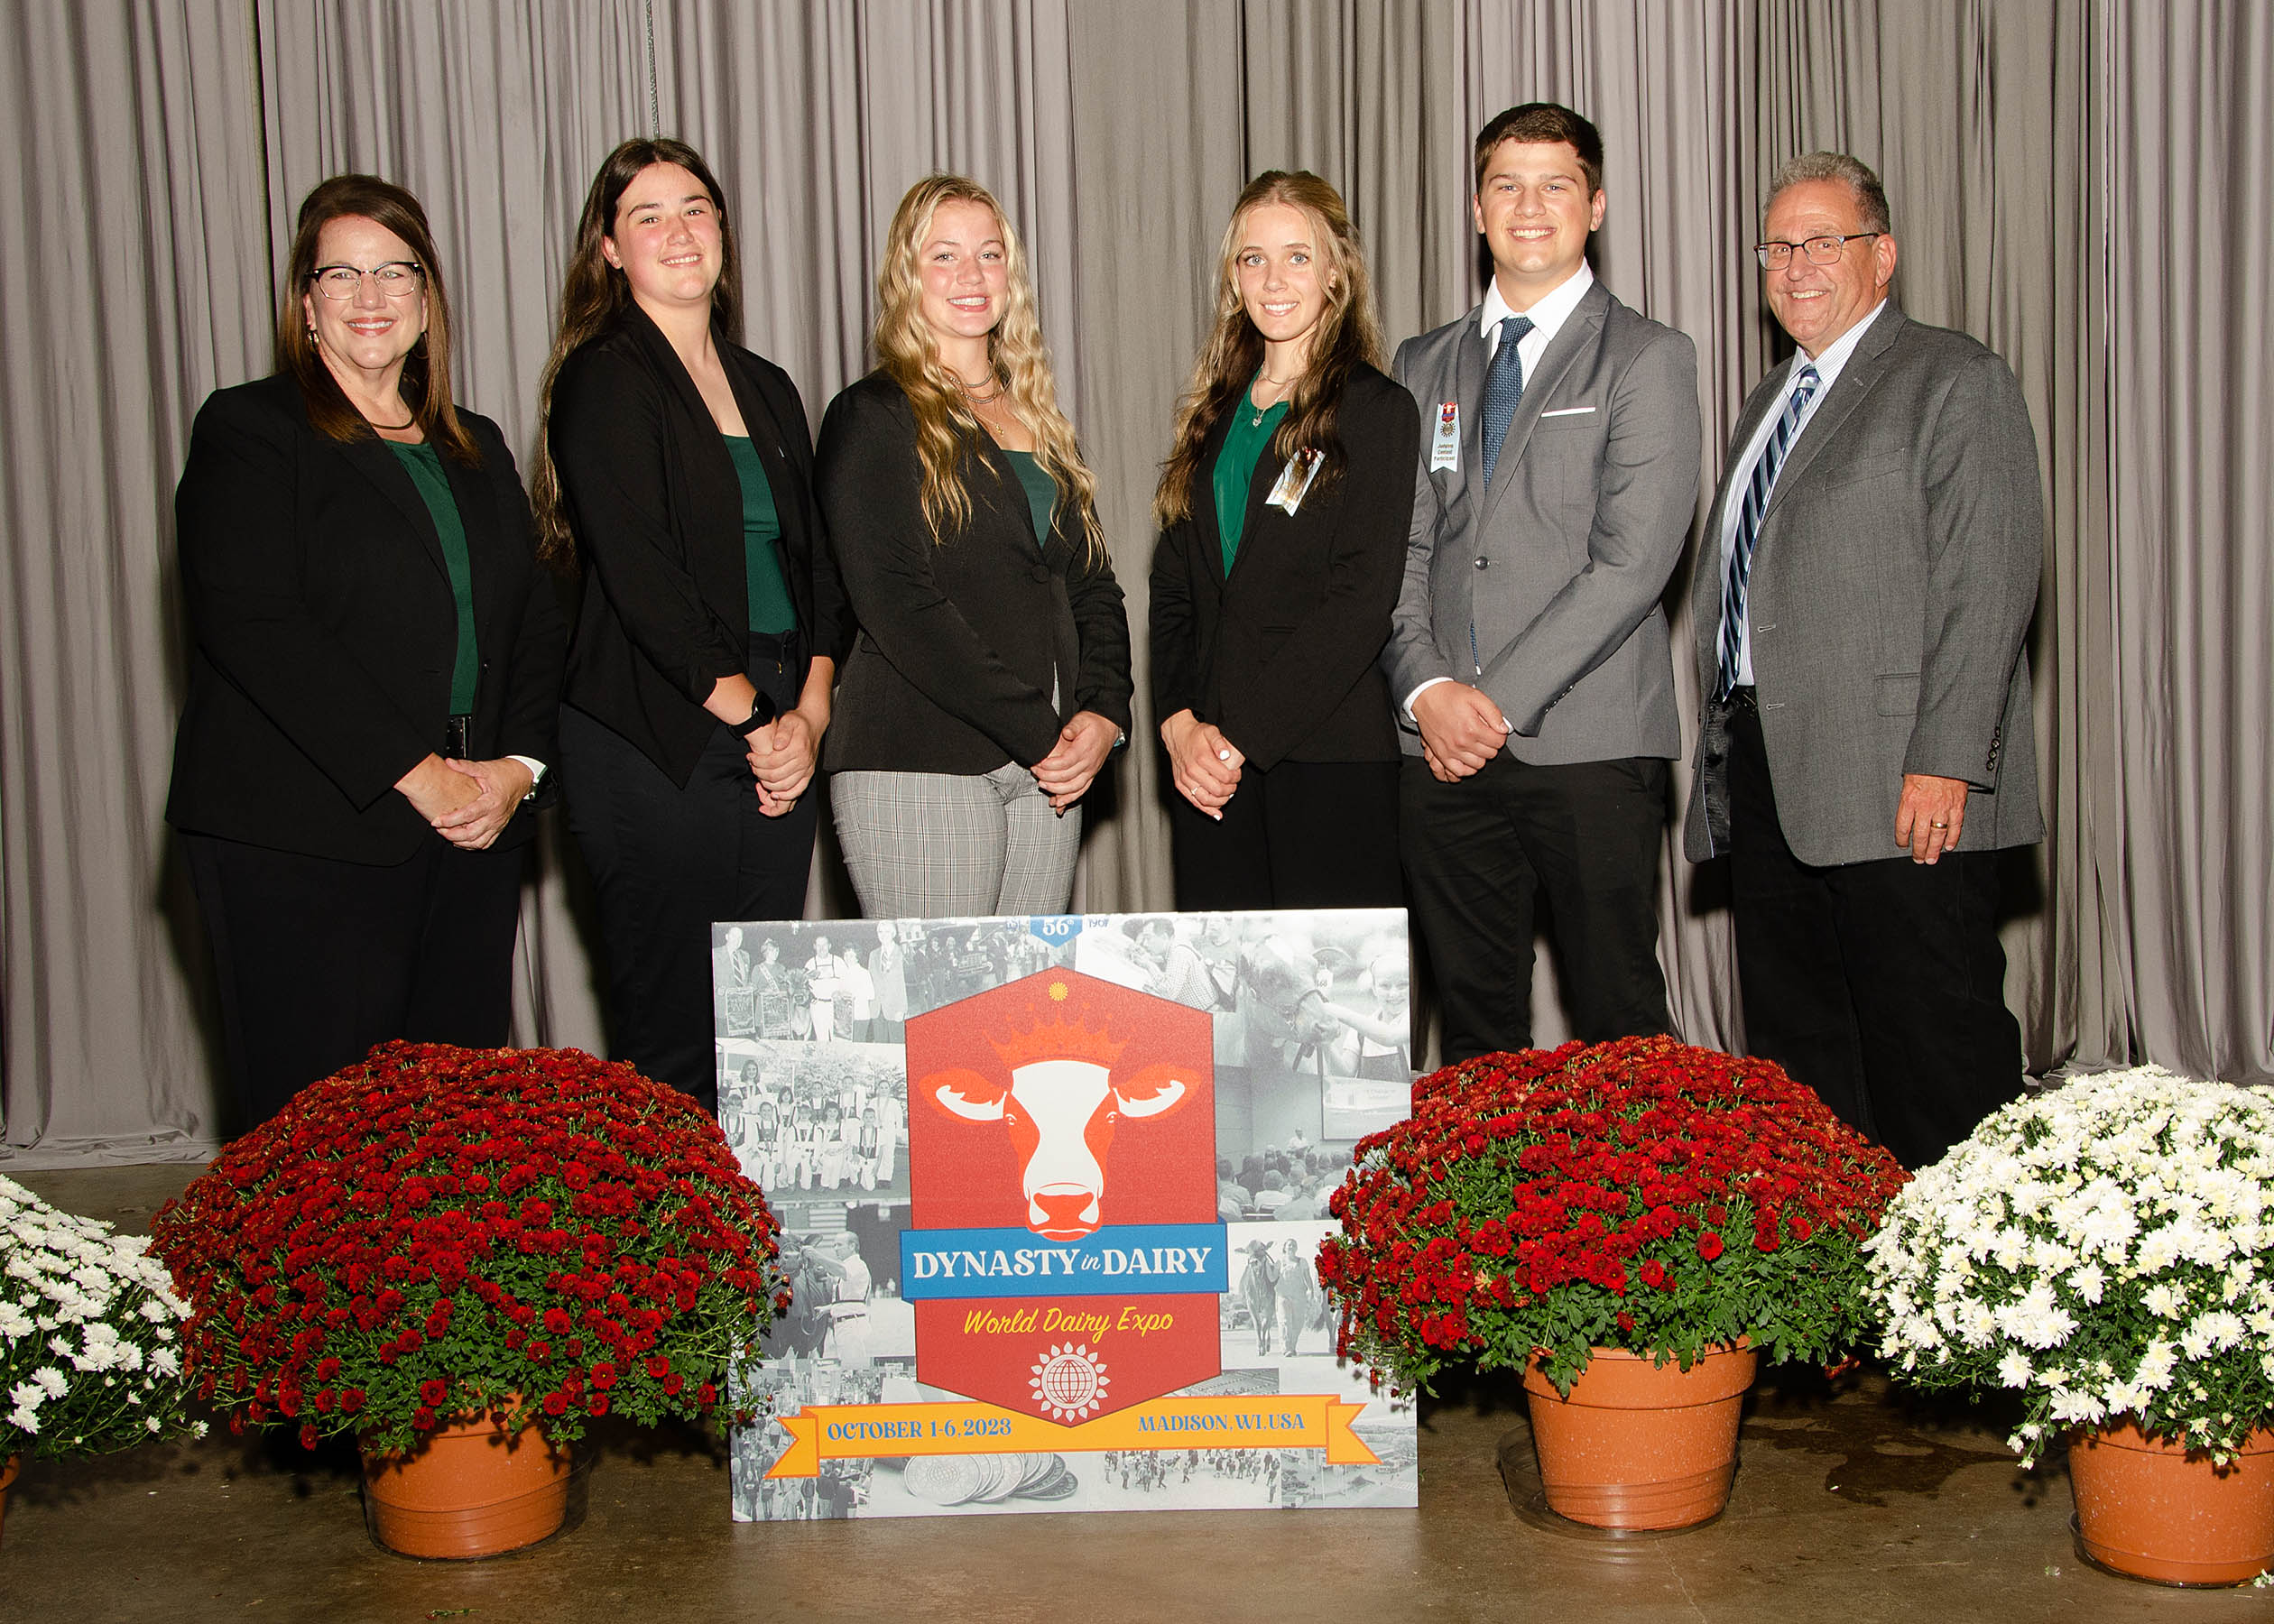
[[1244, 445], [1040, 488], [423, 463], [770, 608]]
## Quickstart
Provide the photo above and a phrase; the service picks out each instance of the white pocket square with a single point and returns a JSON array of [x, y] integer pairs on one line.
[[1568, 411]]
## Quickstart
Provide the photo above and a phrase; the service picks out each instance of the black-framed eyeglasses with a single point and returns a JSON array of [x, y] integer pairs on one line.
[[1820, 250], [397, 279]]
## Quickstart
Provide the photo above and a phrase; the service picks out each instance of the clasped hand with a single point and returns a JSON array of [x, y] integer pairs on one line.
[[468, 803], [1083, 745], [1460, 729], [781, 756], [1204, 763]]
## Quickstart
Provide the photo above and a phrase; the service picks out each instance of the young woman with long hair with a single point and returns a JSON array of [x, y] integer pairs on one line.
[[1283, 509], [990, 680], [674, 471]]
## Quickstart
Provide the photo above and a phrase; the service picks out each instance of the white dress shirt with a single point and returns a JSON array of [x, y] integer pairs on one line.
[[1828, 366]]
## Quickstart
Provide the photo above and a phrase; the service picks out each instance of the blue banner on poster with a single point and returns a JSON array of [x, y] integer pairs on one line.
[[1120, 1259], [1057, 930]]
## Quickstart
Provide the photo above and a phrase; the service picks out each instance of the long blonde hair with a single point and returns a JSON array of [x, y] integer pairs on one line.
[[1349, 335], [947, 432]]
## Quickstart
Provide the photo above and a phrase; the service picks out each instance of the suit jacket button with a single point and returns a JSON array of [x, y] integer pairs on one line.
[[1042, 572], [1482, 562]]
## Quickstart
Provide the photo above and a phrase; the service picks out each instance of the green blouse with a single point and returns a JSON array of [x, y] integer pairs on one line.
[[1244, 445], [423, 463], [771, 611], [1041, 491]]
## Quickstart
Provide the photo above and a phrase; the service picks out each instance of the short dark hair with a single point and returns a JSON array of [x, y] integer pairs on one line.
[[1544, 122], [1870, 197]]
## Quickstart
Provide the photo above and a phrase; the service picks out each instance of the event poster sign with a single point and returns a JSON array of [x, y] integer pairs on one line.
[[1051, 1191]]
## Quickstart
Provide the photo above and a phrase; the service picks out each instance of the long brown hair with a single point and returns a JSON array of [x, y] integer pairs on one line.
[[594, 295], [1349, 335], [946, 429], [425, 383]]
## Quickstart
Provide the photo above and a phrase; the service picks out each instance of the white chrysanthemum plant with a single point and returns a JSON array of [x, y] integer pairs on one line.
[[90, 1339], [2107, 1250]]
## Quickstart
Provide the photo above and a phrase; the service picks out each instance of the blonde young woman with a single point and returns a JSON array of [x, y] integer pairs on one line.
[[1283, 511], [990, 680]]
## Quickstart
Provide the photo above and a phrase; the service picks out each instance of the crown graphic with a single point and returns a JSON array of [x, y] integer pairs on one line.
[[1055, 1036]]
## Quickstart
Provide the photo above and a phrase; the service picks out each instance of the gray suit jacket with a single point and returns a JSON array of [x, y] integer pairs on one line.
[[1893, 578], [1562, 562]]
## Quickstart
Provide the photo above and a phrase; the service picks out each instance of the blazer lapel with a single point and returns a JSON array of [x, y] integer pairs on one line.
[[1863, 370], [1469, 362], [1203, 494], [1581, 329], [371, 457]]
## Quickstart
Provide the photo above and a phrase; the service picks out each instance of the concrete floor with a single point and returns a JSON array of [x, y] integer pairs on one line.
[[1851, 1504]]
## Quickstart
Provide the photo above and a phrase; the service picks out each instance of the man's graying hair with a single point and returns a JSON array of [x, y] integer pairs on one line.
[[1870, 197]]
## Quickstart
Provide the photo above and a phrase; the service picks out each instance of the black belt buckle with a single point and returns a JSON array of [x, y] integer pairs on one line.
[[1744, 697], [458, 738]]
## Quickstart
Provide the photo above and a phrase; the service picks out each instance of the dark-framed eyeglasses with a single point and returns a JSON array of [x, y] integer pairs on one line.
[[1820, 250], [397, 279]]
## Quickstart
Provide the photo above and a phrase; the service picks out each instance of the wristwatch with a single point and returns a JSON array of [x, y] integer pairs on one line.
[[763, 712]]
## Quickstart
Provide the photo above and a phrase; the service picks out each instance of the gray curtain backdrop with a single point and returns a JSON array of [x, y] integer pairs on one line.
[[2089, 188]]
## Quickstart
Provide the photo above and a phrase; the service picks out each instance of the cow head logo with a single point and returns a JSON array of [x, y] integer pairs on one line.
[[1059, 1091]]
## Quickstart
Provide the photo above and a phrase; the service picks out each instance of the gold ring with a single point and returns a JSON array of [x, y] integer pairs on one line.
[[1938, 826]]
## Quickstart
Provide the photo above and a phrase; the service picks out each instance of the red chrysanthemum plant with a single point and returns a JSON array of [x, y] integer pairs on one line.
[[1638, 1195], [439, 1233]]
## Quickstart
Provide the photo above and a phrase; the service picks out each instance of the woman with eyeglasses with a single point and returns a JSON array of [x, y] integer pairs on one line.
[[1283, 509], [374, 670], [990, 680], [675, 470]]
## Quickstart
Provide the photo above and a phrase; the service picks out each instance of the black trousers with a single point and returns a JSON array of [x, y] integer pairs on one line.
[[1878, 984], [666, 863], [1303, 835], [1482, 852], [317, 960]]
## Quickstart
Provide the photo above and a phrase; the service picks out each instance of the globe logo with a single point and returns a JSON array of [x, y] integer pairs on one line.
[[1069, 1382]]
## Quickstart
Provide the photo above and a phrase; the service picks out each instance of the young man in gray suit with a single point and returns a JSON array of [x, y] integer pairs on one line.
[[1528, 657], [1865, 581]]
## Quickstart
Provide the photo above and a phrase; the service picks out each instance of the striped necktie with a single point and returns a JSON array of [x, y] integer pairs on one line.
[[1739, 569]]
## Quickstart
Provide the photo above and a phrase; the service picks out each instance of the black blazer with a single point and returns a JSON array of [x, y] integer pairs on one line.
[[960, 642], [655, 504], [1281, 656], [323, 631]]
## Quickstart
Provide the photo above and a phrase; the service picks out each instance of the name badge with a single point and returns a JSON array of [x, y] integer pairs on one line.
[[1444, 445], [1294, 480]]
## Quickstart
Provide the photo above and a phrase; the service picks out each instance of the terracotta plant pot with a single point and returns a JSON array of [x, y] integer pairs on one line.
[[7, 1476], [2149, 1509], [1638, 1445], [473, 1489]]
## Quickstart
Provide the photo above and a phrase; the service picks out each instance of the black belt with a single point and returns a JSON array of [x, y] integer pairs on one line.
[[1744, 697], [458, 738]]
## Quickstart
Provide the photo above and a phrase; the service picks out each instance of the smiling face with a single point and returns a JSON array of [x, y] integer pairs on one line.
[[372, 332], [666, 239], [1534, 214], [1818, 303], [1280, 268], [963, 272]]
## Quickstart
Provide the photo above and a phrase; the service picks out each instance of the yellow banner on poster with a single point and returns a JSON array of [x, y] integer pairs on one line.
[[839, 1432]]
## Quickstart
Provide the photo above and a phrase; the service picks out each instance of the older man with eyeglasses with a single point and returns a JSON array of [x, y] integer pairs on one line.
[[1867, 576]]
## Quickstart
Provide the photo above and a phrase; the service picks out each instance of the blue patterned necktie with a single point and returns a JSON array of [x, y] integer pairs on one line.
[[1739, 570], [1504, 387]]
